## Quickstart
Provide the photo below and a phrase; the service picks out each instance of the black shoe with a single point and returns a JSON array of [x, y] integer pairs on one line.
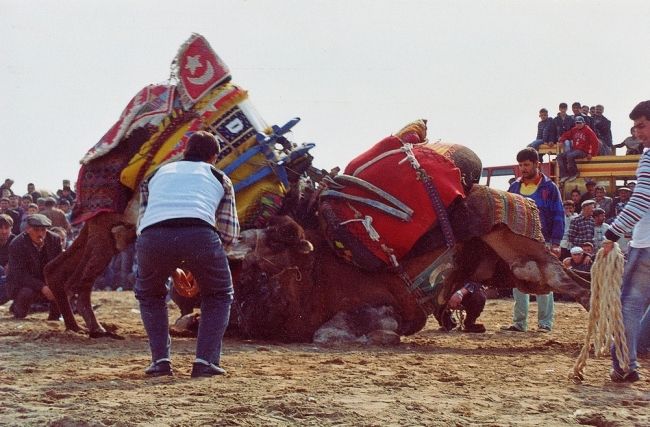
[[621, 377], [202, 370], [476, 328], [159, 369]]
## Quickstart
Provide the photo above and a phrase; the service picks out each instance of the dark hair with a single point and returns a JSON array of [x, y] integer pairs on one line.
[[575, 190], [543, 110], [563, 105], [201, 147], [528, 153], [599, 211], [576, 104], [6, 220], [642, 109]]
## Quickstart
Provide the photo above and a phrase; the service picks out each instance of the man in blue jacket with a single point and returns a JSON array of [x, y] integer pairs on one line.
[[540, 188]]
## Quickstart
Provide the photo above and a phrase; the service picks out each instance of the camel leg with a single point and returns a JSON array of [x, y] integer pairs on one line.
[[98, 251], [59, 270]]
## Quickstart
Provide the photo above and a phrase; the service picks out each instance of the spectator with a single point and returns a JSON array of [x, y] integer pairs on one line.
[[6, 236], [631, 143], [31, 210], [578, 260], [635, 218], [543, 131], [29, 252], [471, 298], [561, 124], [5, 189], [585, 110], [569, 214], [31, 190], [537, 186], [584, 144], [14, 205], [66, 192], [603, 130], [600, 227], [631, 185], [589, 194], [575, 197], [588, 248], [577, 112], [619, 202], [6, 209], [56, 215], [25, 201], [592, 111], [582, 226], [602, 201]]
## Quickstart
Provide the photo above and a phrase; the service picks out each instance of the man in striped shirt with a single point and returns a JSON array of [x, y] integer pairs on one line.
[[187, 216], [635, 218]]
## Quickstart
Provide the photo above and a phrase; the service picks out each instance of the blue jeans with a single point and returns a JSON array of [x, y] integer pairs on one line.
[[635, 299], [536, 143], [545, 309], [567, 162], [160, 250], [643, 346]]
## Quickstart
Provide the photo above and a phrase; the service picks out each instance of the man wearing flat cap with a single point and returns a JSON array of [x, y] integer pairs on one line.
[[582, 227], [29, 252]]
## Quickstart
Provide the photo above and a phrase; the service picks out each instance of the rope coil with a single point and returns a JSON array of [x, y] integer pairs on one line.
[[605, 318]]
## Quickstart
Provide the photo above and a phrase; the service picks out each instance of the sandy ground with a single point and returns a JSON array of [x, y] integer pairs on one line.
[[50, 377]]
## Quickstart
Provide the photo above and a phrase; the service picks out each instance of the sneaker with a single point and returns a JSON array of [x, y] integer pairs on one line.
[[543, 329], [202, 370], [511, 328], [159, 369], [621, 377]]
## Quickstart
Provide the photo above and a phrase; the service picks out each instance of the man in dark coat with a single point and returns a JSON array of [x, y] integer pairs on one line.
[[29, 252]]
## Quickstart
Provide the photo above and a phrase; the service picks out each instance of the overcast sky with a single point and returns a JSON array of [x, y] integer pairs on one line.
[[354, 71]]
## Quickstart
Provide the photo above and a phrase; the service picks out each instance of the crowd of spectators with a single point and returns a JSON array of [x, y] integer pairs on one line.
[[582, 135], [37, 213]]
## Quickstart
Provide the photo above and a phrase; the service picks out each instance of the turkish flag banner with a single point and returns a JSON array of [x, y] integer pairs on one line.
[[199, 70]]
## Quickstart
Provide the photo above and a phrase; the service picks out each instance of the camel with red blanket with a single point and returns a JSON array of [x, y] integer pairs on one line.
[[383, 260]]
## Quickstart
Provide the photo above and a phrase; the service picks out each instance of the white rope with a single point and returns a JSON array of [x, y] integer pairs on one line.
[[605, 319], [367, 223]]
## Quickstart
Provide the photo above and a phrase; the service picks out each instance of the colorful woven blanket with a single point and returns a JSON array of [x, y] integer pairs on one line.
[[491, 207], [169, 115]]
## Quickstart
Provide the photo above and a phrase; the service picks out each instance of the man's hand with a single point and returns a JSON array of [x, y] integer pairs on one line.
[[47, 292], [456, 300]]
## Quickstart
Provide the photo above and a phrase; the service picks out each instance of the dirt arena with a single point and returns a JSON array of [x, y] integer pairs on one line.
[[50, 377]]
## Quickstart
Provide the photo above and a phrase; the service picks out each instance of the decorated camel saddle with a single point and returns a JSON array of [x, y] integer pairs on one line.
[[156, 124], [389, 197]]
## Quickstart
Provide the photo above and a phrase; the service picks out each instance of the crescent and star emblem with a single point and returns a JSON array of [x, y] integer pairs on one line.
[[194, 62]]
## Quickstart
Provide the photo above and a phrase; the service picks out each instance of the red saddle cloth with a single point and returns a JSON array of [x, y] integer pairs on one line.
[[386, 166]]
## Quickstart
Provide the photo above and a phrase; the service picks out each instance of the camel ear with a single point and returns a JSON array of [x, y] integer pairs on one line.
[[305, 247]]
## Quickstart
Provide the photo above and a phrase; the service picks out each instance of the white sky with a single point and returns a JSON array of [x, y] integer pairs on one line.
[[354, 71]]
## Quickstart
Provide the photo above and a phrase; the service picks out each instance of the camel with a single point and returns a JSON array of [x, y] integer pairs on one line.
[[295, 296]]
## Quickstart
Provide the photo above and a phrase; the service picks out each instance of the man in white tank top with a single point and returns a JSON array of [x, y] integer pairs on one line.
[[187, 216]]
